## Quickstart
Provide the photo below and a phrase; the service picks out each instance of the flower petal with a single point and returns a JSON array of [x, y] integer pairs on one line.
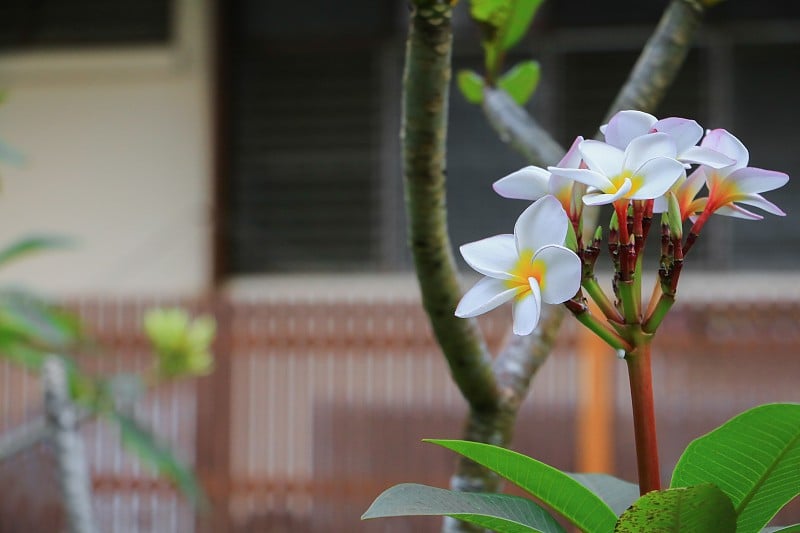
[[659, 175], [693, 184], [686, 133], [584, 175], [603, 199], [626, 126], [484, 296], [572, 159], [752, 180], [545, 222], [731, 210], [647, 147], [493, 256], [602, 157], [725, 143], [756, 200], [704, 156], [529, 183], [526, 310], [660, 204], [562, 273]]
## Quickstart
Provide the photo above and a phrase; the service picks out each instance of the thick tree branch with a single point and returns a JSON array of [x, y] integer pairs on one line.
[[426, 82], [515, 126], [661, 59]]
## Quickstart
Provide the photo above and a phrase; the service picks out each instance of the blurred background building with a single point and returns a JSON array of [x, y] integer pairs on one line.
[[246, 152]]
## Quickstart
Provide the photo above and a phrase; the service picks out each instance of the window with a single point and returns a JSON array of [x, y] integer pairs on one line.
[[41, 24]]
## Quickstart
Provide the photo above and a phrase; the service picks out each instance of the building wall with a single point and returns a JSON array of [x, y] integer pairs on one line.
[[117, 155]]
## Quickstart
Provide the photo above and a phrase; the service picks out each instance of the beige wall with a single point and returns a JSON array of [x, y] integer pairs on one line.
[[117, 148]]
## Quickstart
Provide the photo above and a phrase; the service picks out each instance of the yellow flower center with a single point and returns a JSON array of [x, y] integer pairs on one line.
[[526, 268], [619, 180]]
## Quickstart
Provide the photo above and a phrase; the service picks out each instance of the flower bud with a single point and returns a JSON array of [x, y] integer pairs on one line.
[[674, 216]]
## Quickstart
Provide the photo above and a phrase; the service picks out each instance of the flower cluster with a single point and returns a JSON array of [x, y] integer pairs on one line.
[[644, 166]]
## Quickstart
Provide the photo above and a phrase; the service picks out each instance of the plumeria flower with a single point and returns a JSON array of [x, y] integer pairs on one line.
[[626, 126], [532, 183], [685, 191], [645, 170], [738, 183], [529, 267]]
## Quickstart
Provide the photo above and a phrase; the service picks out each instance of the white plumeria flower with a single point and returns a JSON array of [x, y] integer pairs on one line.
[[626, 126], [738, 182], [532, 183], [529, 267], [644, 171]]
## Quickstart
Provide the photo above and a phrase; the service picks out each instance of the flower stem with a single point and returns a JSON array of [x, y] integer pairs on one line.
[[660, 310], [599, 296], [598, 327], [630, 301], [644, 420]]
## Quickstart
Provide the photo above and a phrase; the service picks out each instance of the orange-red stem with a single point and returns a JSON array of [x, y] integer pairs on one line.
[[644, 419]]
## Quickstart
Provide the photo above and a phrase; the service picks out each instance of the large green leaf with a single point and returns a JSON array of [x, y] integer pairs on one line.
[[555, 488], [31, 245], [144, 444], [617, 493], [520, 81], [699, 509], [754, 458], [499, 512]]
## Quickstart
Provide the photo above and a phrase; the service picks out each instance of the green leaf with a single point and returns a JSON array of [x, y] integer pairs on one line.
[[27, 318], [493, 12], [617, 493], [31, 245], [471, 85], [571, 240], [754, 458], [144, 444], [498, 512], [519, 19], [520, 82], [553, 487], [699, 509], [782, 529]]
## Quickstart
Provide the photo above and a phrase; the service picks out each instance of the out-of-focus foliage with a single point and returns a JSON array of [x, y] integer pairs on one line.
[[182, 346]]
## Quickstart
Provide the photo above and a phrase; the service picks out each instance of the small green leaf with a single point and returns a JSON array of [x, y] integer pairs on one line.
[[517, 23], [617, 493], [31, 245], [471, 85], [754, 458], [182, 346], [520, 82], [556, 489], [699, 509], [144, 445], [498, 512]]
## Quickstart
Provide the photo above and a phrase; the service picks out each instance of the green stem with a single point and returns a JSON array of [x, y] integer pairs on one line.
[[599, 297], [630, 303], [644, 420], [598, 327], [659, 312]]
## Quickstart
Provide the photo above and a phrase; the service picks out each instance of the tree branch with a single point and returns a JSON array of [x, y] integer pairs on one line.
[[661, 58], [519, 129], [424, 131]]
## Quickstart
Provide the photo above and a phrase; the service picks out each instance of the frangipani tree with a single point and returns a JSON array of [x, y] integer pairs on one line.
[[639, 169]]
